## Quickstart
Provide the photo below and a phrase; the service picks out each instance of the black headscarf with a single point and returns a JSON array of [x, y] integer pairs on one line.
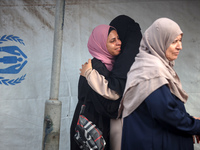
[[130, 34]]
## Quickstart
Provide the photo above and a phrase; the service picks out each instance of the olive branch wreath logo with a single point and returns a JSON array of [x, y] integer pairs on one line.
[[11, 38], [11, 81]]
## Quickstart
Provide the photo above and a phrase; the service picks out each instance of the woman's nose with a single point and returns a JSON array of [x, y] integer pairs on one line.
[[119, 42], [179, 45]]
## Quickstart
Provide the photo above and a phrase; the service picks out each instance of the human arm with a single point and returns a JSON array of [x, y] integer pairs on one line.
[[170, 112], [98, 82], [106, 107]]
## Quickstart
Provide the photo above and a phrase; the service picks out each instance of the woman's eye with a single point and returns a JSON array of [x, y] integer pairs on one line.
[[112, 41], [177, 41]]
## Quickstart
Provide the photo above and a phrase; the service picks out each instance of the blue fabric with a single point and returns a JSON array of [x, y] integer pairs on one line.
[[160, 123]]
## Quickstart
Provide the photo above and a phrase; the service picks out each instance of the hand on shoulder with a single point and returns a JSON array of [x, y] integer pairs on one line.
[[85, 67]]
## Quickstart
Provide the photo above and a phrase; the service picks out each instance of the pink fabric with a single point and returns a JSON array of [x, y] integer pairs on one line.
[[97, 45]]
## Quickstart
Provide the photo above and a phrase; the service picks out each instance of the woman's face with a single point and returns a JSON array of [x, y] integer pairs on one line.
[[113, 43], [173, 50]]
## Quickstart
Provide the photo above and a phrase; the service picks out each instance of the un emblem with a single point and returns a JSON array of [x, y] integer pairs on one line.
[[12, 60]]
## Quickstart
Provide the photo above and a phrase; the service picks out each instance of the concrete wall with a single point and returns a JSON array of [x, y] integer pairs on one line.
[[25, 82]]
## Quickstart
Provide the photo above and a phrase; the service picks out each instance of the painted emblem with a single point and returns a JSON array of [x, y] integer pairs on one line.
[[12, 60]]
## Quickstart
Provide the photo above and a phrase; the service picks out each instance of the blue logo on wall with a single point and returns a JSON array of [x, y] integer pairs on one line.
[[12, 60]]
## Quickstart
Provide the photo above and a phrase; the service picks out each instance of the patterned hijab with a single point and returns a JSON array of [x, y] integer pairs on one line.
[[97, 45], [151, 68]]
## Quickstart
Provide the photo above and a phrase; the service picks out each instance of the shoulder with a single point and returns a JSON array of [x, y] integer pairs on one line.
[[100, 67], [162, 97], [161, 91]]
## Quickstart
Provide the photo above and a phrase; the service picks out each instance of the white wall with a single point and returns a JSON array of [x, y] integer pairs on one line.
[[22, 104]]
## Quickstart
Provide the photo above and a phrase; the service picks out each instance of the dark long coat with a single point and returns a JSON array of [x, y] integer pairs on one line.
[[98, 109]]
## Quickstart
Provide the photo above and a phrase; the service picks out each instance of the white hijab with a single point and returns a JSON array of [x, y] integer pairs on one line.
[[151, 68]]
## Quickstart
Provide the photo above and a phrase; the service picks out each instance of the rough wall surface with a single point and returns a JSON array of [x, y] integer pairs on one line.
[[28, 26]]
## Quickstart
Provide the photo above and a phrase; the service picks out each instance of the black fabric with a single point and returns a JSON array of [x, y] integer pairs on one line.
[[98, 109], [130, 34], [110, 29]]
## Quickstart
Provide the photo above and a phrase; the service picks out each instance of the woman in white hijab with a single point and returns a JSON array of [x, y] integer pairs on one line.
[[153, 111]]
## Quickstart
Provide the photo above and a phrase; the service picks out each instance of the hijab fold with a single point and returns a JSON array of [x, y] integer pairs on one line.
[[130, 35], [151, 68]]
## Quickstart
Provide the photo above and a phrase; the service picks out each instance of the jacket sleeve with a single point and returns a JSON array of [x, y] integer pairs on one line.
[[103, 106], [100, 85], [170, 112]]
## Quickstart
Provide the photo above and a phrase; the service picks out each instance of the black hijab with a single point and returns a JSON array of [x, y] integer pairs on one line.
[[130, 34]]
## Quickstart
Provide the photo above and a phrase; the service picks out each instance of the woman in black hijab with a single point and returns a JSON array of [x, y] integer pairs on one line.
[[130, 34], [113, 86]]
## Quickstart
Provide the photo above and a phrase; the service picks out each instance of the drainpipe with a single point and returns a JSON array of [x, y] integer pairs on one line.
[[53, 107]]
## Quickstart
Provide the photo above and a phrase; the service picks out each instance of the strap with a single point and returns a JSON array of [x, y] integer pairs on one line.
[[84, 103], [82, 109]]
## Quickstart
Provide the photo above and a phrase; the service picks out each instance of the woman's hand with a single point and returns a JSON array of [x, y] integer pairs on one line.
[[197, 118], [85, 67]]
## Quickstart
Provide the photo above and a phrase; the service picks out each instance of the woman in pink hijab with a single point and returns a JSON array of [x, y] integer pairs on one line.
[[103, 45]]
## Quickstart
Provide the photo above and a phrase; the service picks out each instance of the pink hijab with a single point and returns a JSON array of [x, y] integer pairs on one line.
[[97, 45]]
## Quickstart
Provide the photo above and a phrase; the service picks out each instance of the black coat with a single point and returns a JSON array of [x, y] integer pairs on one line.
[[98, 109]]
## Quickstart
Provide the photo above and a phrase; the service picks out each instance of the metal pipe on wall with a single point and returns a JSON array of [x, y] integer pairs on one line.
[[53, 107]]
